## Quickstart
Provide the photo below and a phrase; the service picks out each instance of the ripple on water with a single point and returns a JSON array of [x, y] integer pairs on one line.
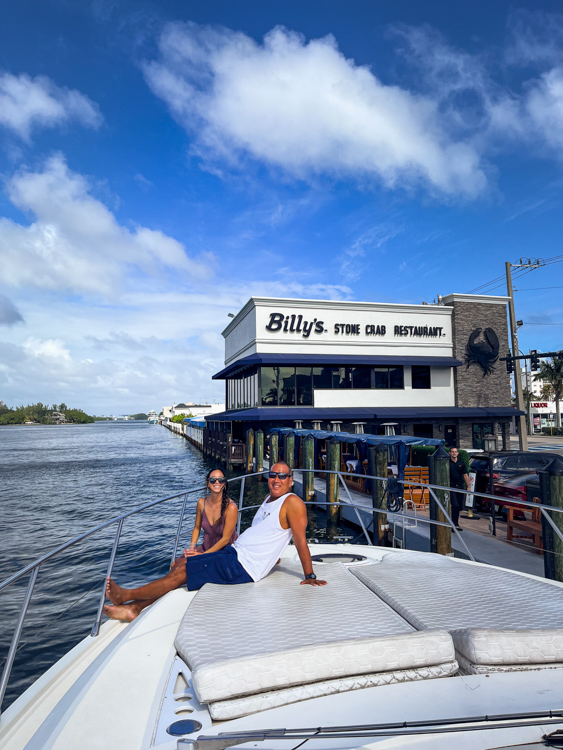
[[57, 482]]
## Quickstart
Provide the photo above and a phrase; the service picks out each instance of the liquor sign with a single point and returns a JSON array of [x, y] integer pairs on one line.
[[539, 405]]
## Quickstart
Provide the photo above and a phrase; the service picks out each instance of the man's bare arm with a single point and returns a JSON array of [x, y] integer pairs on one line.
[[296, 515]]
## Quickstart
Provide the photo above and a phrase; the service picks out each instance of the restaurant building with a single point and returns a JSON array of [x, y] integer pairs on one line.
[[420, 370]]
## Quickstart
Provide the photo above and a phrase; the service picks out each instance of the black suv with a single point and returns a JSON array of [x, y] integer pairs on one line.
[[509, 463]]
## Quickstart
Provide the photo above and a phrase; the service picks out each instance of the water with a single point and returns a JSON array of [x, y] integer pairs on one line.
[[58, 482]]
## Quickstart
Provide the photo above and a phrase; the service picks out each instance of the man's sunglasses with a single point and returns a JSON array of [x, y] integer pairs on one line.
[[214, 480], [280, 474]]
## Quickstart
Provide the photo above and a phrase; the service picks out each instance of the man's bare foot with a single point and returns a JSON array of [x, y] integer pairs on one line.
[[123, 612], [115, 593]]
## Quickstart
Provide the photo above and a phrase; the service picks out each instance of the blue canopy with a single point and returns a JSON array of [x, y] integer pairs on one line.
[[400, 442]]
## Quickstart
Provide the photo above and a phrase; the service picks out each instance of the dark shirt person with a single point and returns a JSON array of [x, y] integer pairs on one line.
[[281, 516], [459, 479]]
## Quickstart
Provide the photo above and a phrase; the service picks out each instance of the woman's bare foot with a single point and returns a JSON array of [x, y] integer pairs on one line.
[[123, 612], [127, 612], [115, 593]]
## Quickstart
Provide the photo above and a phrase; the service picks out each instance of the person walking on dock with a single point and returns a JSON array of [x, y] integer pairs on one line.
[[459, 478]]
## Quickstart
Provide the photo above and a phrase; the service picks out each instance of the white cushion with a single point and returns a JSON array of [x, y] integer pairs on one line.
[[236, 707], [498, 647], [495, 617], [243, 639]]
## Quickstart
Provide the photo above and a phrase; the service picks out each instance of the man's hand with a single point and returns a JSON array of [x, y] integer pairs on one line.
[[313, 582]]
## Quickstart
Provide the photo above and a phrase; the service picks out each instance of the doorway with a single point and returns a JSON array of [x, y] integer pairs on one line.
[[450, 435]]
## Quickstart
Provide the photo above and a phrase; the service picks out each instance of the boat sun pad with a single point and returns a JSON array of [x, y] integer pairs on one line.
[[496, 618], [276, 635]]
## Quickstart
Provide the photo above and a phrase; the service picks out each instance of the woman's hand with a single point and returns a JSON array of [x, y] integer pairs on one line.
[[190, 551]]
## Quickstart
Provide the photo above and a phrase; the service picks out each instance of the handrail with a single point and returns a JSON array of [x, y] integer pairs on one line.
[[33, 567]]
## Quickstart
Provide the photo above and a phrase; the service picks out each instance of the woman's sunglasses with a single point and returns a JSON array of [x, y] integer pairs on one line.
[[214, 480], [281, 474]]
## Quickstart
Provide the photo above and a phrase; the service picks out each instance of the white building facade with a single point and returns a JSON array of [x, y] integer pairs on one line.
[[433, 370]]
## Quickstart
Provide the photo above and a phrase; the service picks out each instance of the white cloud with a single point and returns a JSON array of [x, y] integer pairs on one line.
[[303, 107], [544, 105], [75, 242], [27, 103], [53, 349]]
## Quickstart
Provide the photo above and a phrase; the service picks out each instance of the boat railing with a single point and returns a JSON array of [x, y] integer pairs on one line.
[[34, 567]]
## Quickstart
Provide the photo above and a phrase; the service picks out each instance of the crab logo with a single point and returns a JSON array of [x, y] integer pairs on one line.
[[482, 349]]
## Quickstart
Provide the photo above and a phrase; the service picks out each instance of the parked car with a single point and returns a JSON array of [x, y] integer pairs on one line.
[[506, 465], [512, 487]]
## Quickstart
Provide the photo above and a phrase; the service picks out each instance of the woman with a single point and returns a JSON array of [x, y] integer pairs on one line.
[[217, 514]]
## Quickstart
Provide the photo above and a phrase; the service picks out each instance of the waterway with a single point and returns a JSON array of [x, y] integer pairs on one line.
[[57, 482]]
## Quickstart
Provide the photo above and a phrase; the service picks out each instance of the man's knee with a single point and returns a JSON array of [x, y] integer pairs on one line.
[[176, 576]]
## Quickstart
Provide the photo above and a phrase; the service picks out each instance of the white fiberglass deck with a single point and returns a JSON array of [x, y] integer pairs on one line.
[[123, 689]]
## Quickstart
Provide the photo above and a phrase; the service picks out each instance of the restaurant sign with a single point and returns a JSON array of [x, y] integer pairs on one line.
[[297, 324]]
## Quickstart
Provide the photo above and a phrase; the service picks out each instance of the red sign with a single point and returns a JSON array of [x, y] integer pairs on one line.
[[539, 406], [536, 421]]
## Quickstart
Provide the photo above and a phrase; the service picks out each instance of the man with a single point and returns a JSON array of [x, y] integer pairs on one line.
[[458, 473], [252, 556]]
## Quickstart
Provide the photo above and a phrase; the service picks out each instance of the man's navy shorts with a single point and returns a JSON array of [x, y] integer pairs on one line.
[[221, 567]]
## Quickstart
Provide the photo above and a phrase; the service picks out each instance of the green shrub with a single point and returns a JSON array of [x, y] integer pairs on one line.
[[552, 431], [420, 454]]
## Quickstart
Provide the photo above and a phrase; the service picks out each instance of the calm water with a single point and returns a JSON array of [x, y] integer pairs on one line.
[[57, 482]]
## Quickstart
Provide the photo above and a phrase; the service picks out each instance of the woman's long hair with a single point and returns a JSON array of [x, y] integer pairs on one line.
[[225, 499]]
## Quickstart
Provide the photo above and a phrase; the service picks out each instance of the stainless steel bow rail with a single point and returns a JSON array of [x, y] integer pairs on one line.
[[33, 568], [224, 740]]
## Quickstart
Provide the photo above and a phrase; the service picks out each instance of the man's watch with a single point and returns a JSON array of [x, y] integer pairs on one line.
[[310, 577]]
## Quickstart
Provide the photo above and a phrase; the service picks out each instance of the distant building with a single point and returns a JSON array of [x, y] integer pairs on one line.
[[57, 417], [196, 410]]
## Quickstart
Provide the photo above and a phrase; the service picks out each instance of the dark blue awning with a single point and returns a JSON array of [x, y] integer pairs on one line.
[[349, 437], [335, 360], [357, 414]]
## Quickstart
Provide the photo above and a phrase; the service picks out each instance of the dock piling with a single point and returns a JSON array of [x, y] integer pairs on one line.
[[289, 449], [440, 536], [259, 445], [308, 463], [250, 450], [377, 467], [274, 448], [551, 485], [332, 481]]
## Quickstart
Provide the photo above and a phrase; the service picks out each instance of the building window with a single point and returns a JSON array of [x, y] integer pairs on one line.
[[269, 377], [479, 432], [286, 386], [322, 378], [304, 386], [341, 377], [361, 377], [422, 430], [388, 377], [421, 377]]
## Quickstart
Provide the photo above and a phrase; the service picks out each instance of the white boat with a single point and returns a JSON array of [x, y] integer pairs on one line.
[[401, 650], [152, 417]]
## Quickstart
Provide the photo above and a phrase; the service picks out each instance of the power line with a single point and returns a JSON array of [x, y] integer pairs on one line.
[[536, 288], [517, 272]]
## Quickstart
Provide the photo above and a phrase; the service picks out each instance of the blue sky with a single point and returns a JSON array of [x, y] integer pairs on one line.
[[162, 162]]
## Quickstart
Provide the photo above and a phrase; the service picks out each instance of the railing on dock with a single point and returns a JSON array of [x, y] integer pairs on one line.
[[335, 479]]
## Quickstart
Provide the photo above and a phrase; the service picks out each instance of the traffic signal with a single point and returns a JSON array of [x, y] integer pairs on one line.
[[534, 360], [509, 364]]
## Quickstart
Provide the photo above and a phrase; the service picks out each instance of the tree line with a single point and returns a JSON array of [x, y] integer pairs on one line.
[[41, 414]]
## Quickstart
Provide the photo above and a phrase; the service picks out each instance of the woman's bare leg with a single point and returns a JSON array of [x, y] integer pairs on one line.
[[175, 578]]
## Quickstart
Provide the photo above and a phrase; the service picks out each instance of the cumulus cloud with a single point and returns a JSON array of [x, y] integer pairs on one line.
[[9, 314], [305, 108], [75, 242], [27, 103]]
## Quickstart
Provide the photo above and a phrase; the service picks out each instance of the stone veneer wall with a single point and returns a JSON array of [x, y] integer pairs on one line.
[[471, 388]]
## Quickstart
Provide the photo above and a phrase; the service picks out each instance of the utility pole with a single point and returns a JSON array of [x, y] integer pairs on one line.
[[522, 263]]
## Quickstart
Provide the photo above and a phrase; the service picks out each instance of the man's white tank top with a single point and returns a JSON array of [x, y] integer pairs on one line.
[[260, 547]]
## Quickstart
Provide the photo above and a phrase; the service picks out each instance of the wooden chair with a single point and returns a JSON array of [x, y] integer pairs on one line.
[[420, 496], [529, 528]]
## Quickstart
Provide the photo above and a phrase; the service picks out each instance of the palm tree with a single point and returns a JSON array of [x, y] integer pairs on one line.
[[552, 375]]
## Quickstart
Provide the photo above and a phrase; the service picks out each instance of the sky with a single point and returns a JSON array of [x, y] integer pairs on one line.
[[162, 162]]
